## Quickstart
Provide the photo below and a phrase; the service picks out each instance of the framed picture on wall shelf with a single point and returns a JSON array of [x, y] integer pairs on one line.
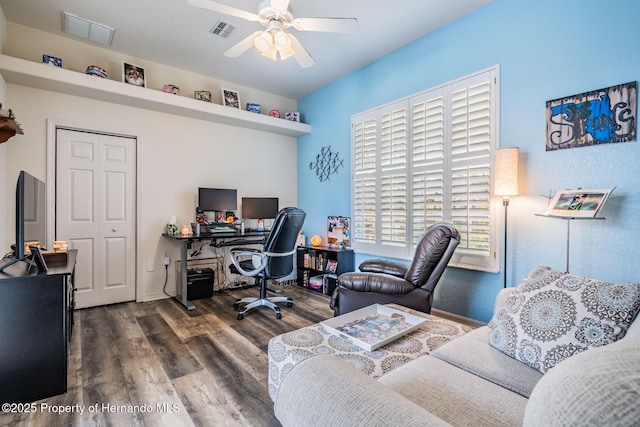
[[230, 98], [133, 75], [202, 95]]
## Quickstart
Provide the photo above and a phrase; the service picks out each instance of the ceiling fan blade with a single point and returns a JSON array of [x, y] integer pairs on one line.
[[329, 25], [224, 9], [281, 5], [242, 46], [303, 57]]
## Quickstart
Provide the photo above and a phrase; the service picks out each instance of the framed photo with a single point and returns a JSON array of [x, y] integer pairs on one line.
[[332, 266], [202, 95], [133, 75], [338, 231], [578, 203], [38, 259], [230, 98]]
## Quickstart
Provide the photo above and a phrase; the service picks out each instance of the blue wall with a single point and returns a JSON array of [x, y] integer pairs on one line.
[[546, 49]]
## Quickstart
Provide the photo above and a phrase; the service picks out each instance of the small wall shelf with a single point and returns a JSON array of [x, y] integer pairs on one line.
[[41, 76]]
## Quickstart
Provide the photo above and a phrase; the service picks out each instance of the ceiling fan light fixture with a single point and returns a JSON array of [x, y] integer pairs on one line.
[[283, 44], [264, 42], [270, 53], [282, 39]]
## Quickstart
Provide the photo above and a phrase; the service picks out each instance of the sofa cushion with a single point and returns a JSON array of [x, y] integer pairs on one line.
[[473, 354], [600, 387], [454, 395], [324, 390], [553, 315]]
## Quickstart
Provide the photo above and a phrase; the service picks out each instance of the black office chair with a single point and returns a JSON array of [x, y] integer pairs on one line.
[[274, 261]]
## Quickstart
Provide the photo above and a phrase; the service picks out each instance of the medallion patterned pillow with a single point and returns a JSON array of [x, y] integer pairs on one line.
[[552, 316]]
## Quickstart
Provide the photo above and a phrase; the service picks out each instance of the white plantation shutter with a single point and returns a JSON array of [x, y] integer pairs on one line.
[[393, 177], [427, 159], [363, 221], [427, 178]]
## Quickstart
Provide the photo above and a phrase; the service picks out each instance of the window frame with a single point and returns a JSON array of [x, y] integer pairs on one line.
[[387, 232]]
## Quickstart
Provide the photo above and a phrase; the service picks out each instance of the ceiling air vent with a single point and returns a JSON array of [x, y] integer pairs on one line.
[[222, 29]]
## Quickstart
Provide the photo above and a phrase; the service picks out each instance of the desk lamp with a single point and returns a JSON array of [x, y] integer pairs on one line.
[[506, 184]]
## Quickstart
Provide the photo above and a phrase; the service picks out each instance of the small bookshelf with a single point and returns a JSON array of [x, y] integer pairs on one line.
[[320, 266]]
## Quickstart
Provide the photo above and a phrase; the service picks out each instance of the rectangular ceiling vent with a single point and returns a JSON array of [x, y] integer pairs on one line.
[[87, 29], [222, 29]]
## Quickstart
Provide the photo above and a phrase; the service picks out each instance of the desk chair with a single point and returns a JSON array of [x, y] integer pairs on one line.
[[274, 261]]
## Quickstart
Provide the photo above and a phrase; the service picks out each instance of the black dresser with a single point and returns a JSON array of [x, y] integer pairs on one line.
[[36, 321]]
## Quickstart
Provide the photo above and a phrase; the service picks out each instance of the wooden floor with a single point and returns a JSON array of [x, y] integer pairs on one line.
[[157, 364]]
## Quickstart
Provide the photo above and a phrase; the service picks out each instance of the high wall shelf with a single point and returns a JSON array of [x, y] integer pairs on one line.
[[41, 76], [312, 262]]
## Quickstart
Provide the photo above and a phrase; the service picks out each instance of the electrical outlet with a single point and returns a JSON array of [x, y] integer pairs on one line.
[[167, 260]]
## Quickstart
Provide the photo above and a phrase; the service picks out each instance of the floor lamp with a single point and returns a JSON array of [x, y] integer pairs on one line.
[[506, 184]]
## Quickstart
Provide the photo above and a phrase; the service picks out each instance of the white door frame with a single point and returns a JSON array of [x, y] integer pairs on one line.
[[52, 124]]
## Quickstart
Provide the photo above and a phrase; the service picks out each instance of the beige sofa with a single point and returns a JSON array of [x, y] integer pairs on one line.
[[467, 382]]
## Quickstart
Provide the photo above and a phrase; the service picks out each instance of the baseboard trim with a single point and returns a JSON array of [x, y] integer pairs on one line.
[[457, 318]]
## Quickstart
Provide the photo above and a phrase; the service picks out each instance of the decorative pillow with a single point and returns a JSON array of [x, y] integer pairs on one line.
[[552, 316]]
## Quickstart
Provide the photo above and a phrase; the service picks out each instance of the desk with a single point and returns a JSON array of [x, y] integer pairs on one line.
[[36, 318], [218, 239]]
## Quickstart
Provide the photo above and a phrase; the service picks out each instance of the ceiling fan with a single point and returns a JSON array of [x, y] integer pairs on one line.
[[275, 16]]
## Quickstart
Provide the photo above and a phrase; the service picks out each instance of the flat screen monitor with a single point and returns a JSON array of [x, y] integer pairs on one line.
[[30, 215], [259, 207], [217, 200]]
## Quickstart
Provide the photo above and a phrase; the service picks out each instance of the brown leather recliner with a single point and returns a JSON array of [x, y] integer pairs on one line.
[[384, 281]]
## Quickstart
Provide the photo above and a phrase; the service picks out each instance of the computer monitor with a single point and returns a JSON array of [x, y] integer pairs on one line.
[[259, 207], [217, 200]]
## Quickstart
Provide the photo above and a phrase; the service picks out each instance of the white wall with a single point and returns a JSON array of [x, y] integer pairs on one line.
[[176, 156], [27, 43]]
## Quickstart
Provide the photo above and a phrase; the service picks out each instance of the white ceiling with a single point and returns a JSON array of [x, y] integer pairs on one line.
[[173, 33]]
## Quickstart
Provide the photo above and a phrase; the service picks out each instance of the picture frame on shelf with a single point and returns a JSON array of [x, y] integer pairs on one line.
[[202, 95], [332, 266], [339, 231], [134, 75], [38, 259], [578, 203], [230, 98]]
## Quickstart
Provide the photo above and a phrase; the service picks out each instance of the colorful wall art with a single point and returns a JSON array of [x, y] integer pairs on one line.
[[601, 116]]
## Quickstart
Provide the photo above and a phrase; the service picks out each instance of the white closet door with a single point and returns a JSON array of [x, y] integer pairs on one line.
[[96, 211]]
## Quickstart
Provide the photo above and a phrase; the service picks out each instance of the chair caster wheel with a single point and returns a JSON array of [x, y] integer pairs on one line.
[[278, 316], [289, 303], [240, 316], [236, 305]]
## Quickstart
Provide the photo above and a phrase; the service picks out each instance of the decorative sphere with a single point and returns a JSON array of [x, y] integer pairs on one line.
[[316, 240]]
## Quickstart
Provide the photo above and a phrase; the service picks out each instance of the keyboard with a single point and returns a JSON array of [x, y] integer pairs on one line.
[[221, 230]]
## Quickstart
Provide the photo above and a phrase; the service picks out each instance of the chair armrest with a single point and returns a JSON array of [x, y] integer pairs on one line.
[[259, 260], [374, 282], [380, 265], [324, 390]]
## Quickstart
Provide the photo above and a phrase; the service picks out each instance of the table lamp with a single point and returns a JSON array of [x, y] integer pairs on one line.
[[506, 184]]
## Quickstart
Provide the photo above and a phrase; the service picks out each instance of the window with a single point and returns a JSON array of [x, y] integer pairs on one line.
[[426, 159]]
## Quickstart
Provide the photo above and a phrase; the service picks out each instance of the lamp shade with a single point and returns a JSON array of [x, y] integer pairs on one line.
[[506, 171]]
